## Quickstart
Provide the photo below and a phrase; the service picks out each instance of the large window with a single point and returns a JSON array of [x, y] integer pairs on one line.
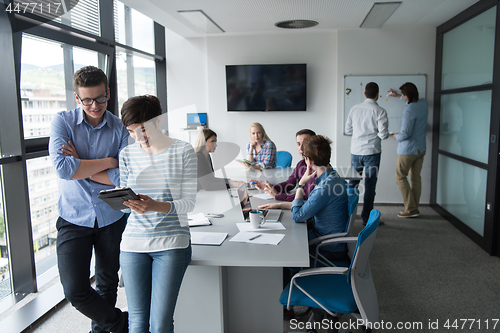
[[135, 61], [43, 88], [43, 194], [44, 59], [136, 76], [133, 28]]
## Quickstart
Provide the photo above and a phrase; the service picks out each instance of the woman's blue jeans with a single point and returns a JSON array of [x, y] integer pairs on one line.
[[152, 282]]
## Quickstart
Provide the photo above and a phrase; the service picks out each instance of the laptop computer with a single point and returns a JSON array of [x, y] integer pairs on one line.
[[196, 119], [271, 215]]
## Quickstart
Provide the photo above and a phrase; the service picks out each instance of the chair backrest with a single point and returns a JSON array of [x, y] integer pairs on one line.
[[353, 198], [359, 274], [283, 159]]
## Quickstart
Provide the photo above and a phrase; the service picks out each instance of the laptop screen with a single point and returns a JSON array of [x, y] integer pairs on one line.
[[196, 119]]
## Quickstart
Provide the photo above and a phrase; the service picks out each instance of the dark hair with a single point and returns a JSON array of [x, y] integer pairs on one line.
[[305, 131], [140, 109], [202, 138], [371, 90], [89, 76], [318, 149], [409, 90]]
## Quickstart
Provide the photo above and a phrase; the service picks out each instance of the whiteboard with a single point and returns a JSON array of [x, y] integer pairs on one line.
[[354, 89]]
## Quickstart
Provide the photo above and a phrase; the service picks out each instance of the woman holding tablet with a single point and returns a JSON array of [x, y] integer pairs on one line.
[[155, 247], [260, 150]]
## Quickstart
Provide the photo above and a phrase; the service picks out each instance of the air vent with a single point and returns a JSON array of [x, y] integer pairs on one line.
[[296, 24]]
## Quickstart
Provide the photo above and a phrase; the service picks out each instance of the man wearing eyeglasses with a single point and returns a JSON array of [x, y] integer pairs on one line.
[[84, 147]]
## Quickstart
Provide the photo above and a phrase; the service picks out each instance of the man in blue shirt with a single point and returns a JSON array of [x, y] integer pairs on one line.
[[411, 148], [327, 202], [84, 147]]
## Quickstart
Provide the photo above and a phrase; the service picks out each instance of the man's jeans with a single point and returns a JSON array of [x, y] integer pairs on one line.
[[371, 164], [74, 253]]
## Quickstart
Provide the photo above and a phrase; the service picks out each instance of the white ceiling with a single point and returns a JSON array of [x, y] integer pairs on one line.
[[259, 16]]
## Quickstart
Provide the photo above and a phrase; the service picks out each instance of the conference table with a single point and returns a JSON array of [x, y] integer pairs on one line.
[[276, 175], [235, 287]]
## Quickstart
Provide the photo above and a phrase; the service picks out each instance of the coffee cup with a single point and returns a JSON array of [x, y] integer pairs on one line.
[[257, 218]]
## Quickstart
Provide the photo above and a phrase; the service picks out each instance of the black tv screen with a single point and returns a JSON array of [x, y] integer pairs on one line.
[[266, 87]]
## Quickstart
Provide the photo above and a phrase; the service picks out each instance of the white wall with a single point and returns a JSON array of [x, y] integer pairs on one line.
[[196, 78], [317, 50], [186, 81]]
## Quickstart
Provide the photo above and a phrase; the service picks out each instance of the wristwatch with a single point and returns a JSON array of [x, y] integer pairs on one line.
[[300, 186]]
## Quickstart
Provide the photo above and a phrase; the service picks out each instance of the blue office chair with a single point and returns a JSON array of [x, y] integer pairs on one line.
[[283, 159], [320, 260], [340, 290]]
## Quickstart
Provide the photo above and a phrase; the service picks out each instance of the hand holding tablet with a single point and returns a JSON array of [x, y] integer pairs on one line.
[[116, 196]]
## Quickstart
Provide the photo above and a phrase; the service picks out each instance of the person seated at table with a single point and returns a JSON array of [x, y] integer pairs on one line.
[[282, 190], [260, 150], [206, 142], [327, 202]]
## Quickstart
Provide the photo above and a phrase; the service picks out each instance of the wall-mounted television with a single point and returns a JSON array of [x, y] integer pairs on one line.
[[266, 87]]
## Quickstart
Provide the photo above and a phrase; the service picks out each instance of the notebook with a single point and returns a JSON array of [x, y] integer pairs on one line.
[[272, 215]]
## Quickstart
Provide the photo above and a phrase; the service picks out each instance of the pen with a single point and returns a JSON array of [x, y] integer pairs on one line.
[[252, 238]]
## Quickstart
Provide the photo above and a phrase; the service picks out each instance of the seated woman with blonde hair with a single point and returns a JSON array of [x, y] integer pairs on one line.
[[206, 143], [260, 150]]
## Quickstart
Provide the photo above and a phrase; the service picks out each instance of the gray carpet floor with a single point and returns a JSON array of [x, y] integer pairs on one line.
[[426, 272]]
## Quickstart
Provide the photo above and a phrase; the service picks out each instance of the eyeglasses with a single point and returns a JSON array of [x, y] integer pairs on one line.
[[90, 101]]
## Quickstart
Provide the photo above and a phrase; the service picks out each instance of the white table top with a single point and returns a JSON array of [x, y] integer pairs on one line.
[[275, 175], [292, 251]]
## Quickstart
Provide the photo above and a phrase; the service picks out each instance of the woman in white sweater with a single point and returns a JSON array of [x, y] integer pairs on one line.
[[155, 247]]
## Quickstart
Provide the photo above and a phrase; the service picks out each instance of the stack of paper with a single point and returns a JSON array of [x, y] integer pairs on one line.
[[264, 196], [198, 219], [255, 238], [208, 238]]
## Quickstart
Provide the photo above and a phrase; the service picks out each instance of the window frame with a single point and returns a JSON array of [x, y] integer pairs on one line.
[[17, 150]]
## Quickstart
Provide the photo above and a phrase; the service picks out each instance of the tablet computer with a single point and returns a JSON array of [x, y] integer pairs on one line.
[[115, 197]]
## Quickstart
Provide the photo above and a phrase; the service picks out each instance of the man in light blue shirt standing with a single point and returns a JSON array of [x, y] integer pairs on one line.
[[84, 147], [368, 124], [411, 148]]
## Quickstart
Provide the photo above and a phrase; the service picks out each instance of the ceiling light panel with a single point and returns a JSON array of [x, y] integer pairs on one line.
[[200, 20], [379, 13]]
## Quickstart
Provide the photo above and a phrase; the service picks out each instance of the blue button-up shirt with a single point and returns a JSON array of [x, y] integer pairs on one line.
[[328, 205], [78, 202], [411, 138]]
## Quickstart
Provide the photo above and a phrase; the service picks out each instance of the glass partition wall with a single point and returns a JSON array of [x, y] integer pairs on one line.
[[466, 123], [41, 59]]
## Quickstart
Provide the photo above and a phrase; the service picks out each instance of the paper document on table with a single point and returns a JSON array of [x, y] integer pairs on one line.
[[264, 196], [252, 237], [264, 227], [198, 219], [208, 238]]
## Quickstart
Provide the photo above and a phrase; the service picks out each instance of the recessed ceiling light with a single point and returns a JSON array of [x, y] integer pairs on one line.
[[202, 21], [296, 24], [379, 13]]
